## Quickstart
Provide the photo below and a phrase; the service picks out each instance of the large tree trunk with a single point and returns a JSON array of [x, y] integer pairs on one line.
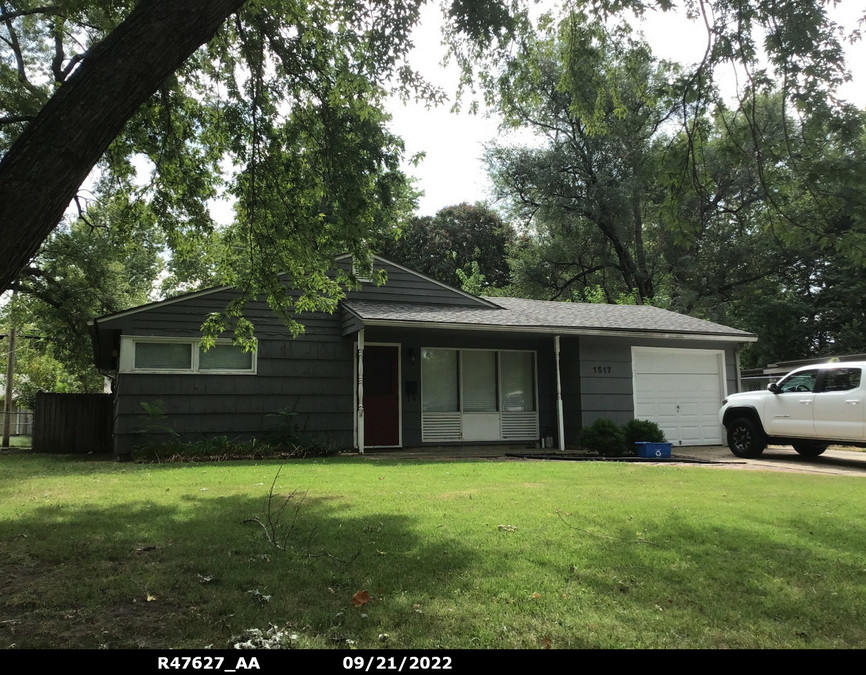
[[43, 170]]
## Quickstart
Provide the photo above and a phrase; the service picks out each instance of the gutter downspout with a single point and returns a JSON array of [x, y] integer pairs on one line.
[[361, 392], [559, 418]]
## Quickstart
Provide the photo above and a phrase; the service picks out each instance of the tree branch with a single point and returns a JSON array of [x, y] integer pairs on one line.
[[14, 119], [44, 168], [59, 55], [15, 13], [16, 48]]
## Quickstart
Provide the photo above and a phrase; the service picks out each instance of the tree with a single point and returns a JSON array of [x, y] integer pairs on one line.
[[636, 193], [229, 100], [633, 176], [83, 270], [598, 101], [289, 94], [103, 86], [802, 61], [452, 241]]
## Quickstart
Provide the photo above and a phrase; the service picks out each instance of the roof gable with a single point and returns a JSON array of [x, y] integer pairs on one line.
[[407, 285], [403, 285]]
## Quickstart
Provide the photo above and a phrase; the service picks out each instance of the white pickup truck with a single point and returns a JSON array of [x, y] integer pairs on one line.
[[810, 408]]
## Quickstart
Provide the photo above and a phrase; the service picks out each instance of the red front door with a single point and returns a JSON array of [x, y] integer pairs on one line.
[[381, 396]]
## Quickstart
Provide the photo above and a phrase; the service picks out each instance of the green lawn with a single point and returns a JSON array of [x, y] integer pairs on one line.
[[589, 555]]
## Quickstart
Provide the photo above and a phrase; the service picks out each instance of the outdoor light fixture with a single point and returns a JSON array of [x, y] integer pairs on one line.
[[411, 354]]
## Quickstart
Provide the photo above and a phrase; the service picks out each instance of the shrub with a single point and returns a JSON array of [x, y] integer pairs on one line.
[[220, 448], [642, 430], [285, 442], [605, 437]]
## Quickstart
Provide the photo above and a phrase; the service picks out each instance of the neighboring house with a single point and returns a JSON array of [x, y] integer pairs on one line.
[[21, 419], [438, 366]]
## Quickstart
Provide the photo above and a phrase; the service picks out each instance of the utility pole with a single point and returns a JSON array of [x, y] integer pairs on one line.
[[7, 404]]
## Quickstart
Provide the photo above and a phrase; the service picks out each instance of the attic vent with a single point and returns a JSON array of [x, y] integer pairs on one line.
[[440, 427], [519, 426], [363, 279]]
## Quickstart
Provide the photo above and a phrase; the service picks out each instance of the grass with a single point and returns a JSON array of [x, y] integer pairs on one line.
[[590, 555], [19, 441]]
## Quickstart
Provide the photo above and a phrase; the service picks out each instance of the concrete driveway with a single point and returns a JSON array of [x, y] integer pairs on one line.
[[835, 461]]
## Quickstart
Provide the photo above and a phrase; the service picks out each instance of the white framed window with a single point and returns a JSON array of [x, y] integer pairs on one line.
[[183, 356], [439, 388], [478, 395], [518, 381], [480, 382]]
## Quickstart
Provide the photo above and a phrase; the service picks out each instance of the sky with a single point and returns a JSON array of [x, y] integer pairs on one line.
[[452, 171]]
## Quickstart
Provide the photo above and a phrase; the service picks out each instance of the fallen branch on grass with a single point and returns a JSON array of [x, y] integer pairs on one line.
[[273, 522]]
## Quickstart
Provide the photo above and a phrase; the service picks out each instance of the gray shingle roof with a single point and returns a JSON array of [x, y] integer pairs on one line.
[[519, 313]]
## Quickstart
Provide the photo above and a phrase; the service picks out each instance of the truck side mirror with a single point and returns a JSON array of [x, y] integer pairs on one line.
[[773, 387]]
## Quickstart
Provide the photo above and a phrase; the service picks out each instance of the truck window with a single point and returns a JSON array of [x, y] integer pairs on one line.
[[802, 381], [841, 379]]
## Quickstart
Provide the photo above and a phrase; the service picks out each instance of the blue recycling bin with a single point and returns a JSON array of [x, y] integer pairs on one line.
[[654, 450]]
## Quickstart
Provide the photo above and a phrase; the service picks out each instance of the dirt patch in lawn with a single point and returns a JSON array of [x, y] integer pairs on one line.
[[30, 618]]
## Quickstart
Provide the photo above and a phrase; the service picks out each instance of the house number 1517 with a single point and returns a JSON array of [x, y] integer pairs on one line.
[[603, 370]]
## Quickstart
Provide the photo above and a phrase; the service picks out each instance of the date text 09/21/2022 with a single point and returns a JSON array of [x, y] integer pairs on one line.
[[397, 663]]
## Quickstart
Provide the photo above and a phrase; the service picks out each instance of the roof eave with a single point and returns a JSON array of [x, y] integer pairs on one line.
[[563, 330]]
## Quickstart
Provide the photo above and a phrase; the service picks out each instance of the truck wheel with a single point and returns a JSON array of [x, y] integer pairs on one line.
[[809, 449], [744, 439]]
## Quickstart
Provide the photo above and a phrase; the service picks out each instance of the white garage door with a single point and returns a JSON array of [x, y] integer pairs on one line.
[[681, 390]]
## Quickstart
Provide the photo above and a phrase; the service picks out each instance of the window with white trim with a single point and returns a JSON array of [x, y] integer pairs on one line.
[[479, 382], [439, 380], [183, 355], [478, 395], [518, 381]]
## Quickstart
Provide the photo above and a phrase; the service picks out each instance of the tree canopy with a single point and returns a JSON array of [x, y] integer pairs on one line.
[[81, 271], [451, 241], [279, 105], [287, 95], [634, 192]]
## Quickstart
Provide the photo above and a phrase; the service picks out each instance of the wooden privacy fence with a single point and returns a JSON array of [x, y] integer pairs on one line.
[[72, 423]]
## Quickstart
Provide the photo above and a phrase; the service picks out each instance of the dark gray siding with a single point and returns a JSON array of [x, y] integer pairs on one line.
[[310, 375], [611, 395], [351, 322], [185, 318], [403, 286]]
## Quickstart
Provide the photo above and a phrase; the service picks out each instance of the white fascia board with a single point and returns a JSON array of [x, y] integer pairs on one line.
[[558, 330]]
